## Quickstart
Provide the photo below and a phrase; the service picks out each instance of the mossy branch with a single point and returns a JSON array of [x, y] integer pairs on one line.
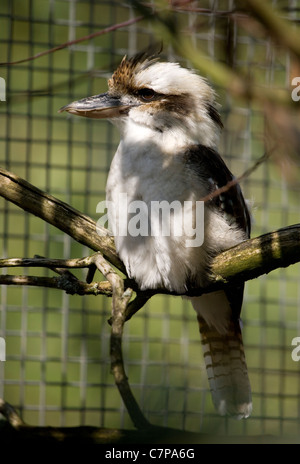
[[69, 220]]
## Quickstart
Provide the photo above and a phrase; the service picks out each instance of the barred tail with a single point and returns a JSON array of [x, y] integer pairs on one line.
[[226, 369]]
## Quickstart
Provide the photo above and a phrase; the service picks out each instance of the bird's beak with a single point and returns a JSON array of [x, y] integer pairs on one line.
[[98, 107]]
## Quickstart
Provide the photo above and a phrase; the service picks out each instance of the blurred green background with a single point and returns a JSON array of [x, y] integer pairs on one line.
[[57, 370]]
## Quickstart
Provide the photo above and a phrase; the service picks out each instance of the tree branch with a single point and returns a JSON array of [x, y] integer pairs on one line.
[[258, 256], [120, 301], [71, 286], [71, 221]]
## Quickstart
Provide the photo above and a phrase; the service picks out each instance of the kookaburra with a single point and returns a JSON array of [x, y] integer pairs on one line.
[[170, 126]]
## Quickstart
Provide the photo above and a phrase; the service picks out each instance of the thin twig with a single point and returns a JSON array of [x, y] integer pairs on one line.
[[70, 286], [76, 41], [238, 179], [37, 261]]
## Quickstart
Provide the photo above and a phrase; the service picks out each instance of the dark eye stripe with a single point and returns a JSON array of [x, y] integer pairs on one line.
[[147, 94]]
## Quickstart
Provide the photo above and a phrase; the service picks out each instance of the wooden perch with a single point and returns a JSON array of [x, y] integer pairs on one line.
[[259, 255]]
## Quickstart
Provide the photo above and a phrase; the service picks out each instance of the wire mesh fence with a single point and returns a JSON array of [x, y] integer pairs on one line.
[[57, 368]]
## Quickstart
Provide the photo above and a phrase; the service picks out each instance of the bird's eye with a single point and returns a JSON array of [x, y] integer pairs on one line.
[[147, 94]]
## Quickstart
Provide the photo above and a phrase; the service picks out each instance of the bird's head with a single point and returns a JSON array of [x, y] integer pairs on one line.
[[162, 97]]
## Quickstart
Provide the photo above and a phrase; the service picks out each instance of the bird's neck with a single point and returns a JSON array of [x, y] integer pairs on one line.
[[171, 140]]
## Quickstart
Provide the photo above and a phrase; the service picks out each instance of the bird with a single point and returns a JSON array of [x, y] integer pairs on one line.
[[169, 123]]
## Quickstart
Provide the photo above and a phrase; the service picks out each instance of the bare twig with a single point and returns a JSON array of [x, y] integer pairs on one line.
[[67, 281], [238, 179], [135, 305], [37, 261], [120, 301], [76, 41], [71, 286]]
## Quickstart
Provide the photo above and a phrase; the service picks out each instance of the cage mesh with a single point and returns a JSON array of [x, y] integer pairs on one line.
[[57, 368]]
